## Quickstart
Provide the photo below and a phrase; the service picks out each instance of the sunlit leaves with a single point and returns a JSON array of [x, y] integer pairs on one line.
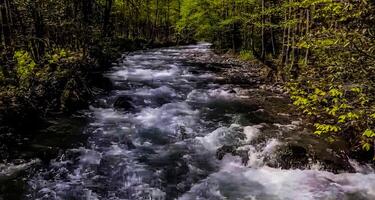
[[325, 128], [335, 93], [369, 133], [366, 146], [25, 64]]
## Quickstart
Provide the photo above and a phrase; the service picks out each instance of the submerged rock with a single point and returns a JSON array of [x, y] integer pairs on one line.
[[123, 102]]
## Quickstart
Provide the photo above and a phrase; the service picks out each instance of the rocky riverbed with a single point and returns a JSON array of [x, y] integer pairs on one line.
[[273, 109]]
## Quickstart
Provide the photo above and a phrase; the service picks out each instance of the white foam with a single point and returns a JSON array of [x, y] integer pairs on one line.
[[107, 114], [251, 132], [365, 169], [271, 183], [197, 96], [212, 140], [169, 117], [115, 150], [203, 96], [90, 157], [217, 138], [160, 91], [220, 93], [287, 127]]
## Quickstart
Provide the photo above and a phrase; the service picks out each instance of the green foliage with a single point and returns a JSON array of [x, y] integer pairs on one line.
[[25, 65], [57, 56], [338, 109], [246, 55], [198, 16], [324, 48], [336, 87], [369, 133], [326, 128]]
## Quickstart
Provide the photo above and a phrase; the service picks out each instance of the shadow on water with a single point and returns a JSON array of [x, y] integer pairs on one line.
[[22, 154]]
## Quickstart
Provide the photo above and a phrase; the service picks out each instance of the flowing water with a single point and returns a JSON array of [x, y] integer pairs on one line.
[[157, 134]]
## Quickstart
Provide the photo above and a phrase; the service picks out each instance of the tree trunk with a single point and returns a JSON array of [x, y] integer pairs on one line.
[[107, 15], [263, 45]]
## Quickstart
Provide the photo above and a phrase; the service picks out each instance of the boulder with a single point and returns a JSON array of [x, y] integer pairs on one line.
[[298, 156]]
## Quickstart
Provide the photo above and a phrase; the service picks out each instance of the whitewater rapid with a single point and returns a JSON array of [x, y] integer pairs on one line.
[[163, 145]]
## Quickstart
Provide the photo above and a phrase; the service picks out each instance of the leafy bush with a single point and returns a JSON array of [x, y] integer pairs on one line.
[[337, 111], [57, 55], [25, 65], [246, 55]]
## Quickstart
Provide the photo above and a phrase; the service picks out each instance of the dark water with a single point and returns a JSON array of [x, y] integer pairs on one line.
[[156, 136]]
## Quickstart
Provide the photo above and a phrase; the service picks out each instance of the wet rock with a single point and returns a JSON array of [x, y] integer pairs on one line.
[[226, 149], [220, 153], [100, 103], [300, 156], [161, 100], [130, 144], [123, 102], [292, 156]]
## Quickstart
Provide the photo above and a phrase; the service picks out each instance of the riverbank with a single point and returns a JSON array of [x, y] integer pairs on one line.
[[65, 83], [303, 149], [44, 116]]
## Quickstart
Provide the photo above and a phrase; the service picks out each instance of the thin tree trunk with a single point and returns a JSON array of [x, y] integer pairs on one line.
[[287, 52], [5, 23], [307, 34], [107, 15], [283, 41], [263, 45]]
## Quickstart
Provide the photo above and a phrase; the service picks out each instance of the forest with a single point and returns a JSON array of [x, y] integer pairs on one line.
[[56, 57], [321, 50]]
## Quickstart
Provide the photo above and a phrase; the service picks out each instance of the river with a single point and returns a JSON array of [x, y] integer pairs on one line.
[[157, 135]]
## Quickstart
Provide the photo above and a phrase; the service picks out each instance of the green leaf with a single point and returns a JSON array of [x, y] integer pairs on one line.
[[369, 133], [342, 118], [335, 93], [366, 146], [356, 89]]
